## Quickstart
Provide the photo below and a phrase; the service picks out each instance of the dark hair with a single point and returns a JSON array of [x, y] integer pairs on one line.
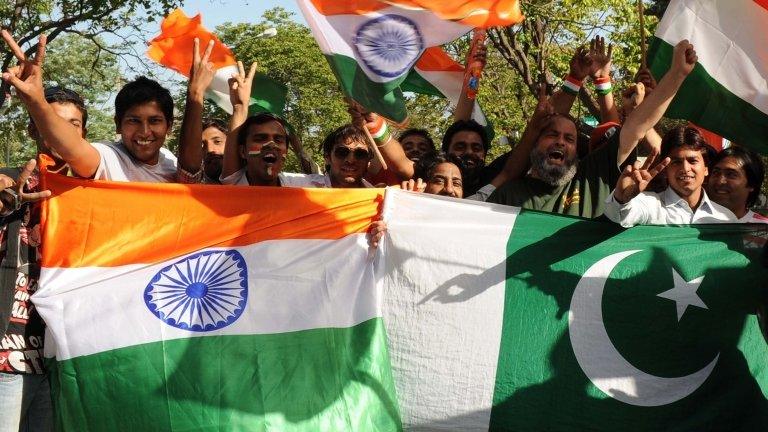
[[554, 116], [425, 167], [215, 123], [140, 91], [689, 137], [753, 168], [465, 125], [64, 95], [420, 132], [261, 118], [341, 134]]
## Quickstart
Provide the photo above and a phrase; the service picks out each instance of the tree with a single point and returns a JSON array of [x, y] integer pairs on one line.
[[91, 19], [538, 50], [77, 64]]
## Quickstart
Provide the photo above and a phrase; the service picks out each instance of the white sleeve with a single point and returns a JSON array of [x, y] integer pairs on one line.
[[636, 211], [483, 193], [107, 161], [235, 178]]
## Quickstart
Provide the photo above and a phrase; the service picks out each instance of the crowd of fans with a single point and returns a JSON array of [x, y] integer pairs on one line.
[[679, 179]]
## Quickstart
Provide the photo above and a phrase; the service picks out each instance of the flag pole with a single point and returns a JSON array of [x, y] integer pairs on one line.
[[643, 48], [375, 148]]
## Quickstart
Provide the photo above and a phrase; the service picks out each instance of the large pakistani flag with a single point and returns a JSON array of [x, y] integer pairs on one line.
[[727, 91], [175, 307], [372, 45]]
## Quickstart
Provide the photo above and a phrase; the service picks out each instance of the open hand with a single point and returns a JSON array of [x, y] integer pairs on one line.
[[601, 58], [581, 64]]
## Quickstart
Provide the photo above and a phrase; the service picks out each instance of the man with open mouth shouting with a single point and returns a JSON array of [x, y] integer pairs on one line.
[[257, 147]]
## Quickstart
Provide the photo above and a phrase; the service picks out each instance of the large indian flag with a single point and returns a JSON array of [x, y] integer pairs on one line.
[[372, 45], [727, 91], [176, 307]]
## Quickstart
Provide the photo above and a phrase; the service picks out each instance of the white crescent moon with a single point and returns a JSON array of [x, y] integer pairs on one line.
[[601, 361]]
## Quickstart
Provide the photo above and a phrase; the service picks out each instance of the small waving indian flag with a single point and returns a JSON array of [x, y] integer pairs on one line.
[[173, 49], [437, 74], [372, 45]]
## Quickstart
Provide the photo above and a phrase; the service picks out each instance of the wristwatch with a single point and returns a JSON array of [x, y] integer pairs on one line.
[[15, 199]]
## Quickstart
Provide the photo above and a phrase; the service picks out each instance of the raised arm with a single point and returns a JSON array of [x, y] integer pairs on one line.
[[240, 96], [200, 77], [647, 114], [465, 105], [390, 148], [518, 162], [600, 73], [58, 134], [580, 66]]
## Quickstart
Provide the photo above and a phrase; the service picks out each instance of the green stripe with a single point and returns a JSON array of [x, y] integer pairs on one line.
[[414, 82], [383, 98], [709, 104], [322, 379]]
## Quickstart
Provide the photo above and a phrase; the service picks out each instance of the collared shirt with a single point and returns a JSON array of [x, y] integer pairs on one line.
[[665, 208]]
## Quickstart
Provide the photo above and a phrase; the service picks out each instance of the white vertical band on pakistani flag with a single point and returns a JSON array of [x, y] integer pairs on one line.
[[336, 34], [443, 274], [726, 35], [293, 285]]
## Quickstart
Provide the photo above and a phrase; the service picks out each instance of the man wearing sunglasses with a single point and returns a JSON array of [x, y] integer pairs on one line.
[[347, 157]]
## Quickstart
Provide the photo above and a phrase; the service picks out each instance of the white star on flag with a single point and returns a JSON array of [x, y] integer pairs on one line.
[[684, 293]]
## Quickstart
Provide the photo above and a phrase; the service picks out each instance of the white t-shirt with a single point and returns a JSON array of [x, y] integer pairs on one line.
[[287, 180], [117, 164]]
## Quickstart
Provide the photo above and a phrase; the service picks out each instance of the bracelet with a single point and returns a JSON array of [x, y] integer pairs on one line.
[[385, 140], [603, 86], [571, 85], [380, 132]]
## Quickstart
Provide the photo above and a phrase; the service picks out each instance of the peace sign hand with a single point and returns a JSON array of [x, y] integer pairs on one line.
[[635, 179], [27, 76], [202, 71], [240, 86]]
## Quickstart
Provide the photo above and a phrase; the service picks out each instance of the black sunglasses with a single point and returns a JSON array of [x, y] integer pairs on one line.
[[360, 154]]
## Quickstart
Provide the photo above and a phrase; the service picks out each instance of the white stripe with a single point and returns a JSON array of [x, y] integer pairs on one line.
[[730, 39], [444, 280], [218, 91], [450, 83], [293, 285], [335, 33]]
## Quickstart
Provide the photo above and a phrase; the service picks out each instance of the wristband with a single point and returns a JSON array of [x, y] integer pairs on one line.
[[380, 132], [603, 86], [571, 85]]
